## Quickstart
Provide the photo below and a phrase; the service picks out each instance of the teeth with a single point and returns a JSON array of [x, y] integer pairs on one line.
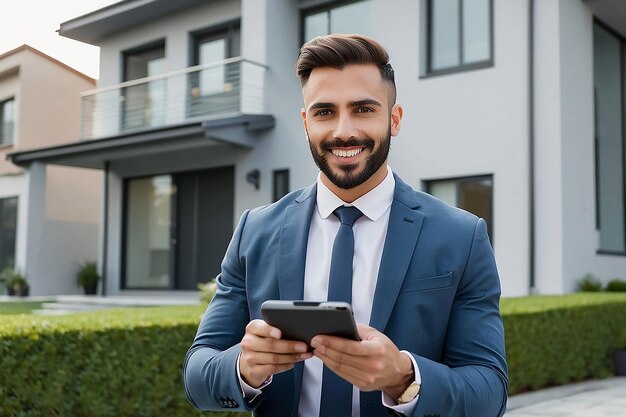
[[346, 153]]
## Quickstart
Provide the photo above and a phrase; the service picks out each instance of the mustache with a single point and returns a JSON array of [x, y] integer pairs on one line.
[[352, 142]]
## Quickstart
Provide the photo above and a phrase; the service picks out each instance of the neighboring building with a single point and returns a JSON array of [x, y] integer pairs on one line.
[[514, 109], [49, 216]]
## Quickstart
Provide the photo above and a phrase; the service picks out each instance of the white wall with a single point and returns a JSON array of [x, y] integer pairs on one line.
[[469, 123], [548, 150]]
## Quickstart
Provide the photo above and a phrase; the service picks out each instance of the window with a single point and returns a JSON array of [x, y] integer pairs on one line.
[[281, 184], [7, 121], [610, 143], [216, 87], [458, 35], [148, 228], [474, 194], [144, 104], [351, 17], [8, 227]]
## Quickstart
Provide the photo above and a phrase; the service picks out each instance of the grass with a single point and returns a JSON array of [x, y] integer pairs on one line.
[[19, 307]]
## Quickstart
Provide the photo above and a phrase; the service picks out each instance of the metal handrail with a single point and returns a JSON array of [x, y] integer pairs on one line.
[[170, 74]]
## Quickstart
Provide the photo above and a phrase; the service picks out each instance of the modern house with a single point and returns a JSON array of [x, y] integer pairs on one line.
[[49, 215], [513, 109]]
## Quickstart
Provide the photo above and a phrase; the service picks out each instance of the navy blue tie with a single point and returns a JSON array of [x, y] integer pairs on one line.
[[336, 391]]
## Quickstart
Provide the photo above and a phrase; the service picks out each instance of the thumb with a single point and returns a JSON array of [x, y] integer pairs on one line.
[[367, 332]]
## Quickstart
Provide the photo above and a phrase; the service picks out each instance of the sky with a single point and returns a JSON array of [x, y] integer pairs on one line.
[[35, 22]]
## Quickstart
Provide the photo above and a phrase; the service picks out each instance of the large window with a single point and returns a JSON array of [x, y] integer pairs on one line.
[[216, 87], [8, 227], [474, 194], [457, 35], [345, 17], [144, 104], [7, 121], [609, 72]]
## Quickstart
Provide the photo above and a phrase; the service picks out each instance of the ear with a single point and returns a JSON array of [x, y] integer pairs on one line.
[[396, 119], [303, 114]]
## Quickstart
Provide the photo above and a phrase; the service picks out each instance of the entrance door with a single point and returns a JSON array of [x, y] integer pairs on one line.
[[203, 224], [177, 228]]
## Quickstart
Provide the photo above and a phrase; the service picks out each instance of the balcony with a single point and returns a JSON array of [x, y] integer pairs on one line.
[[219, 90]]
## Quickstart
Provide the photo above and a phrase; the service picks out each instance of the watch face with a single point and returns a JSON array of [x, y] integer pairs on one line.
[[410, 393]]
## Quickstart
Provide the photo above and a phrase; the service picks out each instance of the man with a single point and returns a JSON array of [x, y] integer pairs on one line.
[[424, 276]]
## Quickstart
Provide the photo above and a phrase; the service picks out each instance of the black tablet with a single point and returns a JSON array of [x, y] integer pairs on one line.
[[301, 320]]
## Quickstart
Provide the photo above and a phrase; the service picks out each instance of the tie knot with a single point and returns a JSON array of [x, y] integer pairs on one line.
[[347, 215]]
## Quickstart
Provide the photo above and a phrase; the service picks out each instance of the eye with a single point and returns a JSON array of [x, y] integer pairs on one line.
[[364, 109], [323, 112]]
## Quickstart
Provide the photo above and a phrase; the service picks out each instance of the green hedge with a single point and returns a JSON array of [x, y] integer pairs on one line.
[[127, 362], [552, 340], [115, 363]]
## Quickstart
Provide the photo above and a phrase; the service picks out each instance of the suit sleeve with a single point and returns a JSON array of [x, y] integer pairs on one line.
[[209, 371], [471, 379]]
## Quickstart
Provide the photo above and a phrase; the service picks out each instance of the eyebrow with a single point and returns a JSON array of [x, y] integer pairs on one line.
[[357, 103]]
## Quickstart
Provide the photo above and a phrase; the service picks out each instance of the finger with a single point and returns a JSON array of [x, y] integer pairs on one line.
[[369, 363], [366, 332], [345, 346], [354, 374], [254, 343], [279, 358], [261, 328]]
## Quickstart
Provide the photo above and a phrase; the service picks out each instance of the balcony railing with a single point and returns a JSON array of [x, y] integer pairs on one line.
[[230, 87]]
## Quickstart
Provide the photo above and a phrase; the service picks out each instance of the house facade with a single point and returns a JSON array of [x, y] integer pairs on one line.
[[49, 215], [513, 109]]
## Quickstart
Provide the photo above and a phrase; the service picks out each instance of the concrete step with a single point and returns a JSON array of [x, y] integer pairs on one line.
[[75, 306], [54, 312], [127, 300]]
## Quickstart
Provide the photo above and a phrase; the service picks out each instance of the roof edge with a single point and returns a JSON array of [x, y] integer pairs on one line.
[[26, 47]]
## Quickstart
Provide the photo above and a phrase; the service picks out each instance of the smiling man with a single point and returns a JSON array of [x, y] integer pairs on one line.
[[421, 277]]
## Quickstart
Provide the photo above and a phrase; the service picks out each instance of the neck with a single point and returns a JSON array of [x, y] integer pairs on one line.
[[350, 194]]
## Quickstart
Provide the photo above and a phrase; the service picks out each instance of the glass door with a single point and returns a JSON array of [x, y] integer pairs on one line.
[[177, 228]]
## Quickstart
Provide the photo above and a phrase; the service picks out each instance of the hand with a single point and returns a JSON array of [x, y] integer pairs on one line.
[[374, 363], [263, 353]]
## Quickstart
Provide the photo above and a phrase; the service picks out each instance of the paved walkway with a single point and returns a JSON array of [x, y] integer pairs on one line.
[[603, 398]]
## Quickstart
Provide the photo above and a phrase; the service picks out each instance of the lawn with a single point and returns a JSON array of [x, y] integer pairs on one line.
[[19, 307]]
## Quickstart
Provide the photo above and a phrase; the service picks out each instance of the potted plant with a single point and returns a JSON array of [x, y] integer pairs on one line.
[[87, 277], [207, 291], [15, 282], [619, 356]]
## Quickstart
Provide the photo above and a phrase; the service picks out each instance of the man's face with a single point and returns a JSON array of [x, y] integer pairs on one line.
[[349, 122]]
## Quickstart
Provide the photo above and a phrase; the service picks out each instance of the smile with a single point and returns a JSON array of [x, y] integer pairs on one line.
[[346, 153]]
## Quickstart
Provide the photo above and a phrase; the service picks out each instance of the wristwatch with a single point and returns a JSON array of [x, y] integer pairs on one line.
[[409, 393]]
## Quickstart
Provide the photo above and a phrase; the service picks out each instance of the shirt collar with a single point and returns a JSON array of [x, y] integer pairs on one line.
[[373, 204]]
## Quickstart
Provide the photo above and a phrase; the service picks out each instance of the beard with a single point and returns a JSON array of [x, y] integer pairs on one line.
[[349, 177]]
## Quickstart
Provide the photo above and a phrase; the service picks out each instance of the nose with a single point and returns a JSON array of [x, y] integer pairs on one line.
[[345, 127]]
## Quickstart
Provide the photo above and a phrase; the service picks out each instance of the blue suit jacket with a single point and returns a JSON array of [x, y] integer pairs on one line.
[[437, 296]]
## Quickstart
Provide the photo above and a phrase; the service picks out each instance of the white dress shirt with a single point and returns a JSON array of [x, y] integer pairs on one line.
[[369, 238]]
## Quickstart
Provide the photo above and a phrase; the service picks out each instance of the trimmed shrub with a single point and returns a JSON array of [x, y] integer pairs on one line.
[[589, 283], [127, 362], [553, 340], [117, 363], [616, 285]]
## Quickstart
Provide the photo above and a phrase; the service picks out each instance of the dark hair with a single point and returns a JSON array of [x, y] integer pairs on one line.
[[337, 51]]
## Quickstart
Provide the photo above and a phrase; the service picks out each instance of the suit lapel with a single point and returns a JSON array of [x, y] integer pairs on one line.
[[404, 226], [291, 262], [292, 245]]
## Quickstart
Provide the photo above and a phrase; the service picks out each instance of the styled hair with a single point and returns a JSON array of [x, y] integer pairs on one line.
[[337, 51]]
